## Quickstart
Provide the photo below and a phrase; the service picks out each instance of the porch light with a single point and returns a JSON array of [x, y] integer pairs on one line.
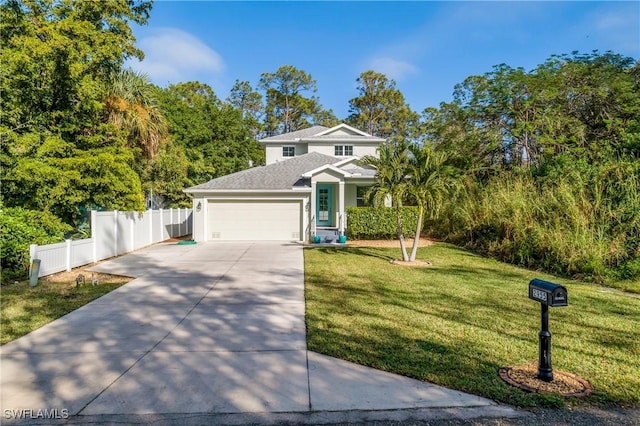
[[199, 206]]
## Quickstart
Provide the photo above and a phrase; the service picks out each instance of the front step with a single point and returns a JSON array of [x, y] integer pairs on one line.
[[328, 235]]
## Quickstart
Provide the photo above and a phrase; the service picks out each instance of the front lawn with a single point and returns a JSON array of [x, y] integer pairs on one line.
[[457, 322], [24, 309]]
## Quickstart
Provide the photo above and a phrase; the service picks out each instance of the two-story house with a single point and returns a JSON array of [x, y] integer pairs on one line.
[[311, 176]]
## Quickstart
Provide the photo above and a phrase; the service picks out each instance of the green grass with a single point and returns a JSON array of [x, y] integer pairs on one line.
[[626, 285], [457, 322], [24, 309]]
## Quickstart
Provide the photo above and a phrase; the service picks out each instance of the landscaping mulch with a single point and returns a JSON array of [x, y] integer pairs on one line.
[[565, 384]]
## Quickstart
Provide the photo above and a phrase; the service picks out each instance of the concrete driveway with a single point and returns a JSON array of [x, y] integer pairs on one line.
[[205, 333]]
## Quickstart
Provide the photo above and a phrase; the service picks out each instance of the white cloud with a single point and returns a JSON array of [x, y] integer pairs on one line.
[[393, 68], [173, 56], [620, 28]]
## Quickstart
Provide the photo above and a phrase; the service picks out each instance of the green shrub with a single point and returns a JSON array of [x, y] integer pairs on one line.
[[20, 228], [583, 223], [371, 223]]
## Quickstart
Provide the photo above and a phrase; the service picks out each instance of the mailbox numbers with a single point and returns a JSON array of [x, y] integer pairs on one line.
[[538, 294]]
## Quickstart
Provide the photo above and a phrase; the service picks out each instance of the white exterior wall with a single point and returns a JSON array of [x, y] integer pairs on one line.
[[350, 195], [359, 149], [327, 177], [273, 153], [200, 209]]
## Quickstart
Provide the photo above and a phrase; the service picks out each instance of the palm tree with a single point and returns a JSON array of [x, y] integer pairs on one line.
[[430, 181], [391, 181], [131, 105]]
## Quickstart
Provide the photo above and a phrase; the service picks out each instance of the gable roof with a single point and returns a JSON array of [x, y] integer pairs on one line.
[[285, 174], [341, 132], [344, 129]]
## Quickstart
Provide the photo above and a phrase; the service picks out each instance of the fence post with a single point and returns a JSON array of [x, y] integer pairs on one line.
[[150, 213], [94, 235], [68, 255], [132, 223], [171, 222], [33, 251], [115, 232], [161, 225]]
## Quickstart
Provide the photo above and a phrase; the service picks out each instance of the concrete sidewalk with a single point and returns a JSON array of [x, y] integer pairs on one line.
[[206, 333]]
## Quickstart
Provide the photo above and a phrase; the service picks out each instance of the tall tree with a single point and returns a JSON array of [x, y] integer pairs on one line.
[[380, 109], [553, 155], [131, 105], [392, 181], [57, 57], [248, 101], [57, 153], [216, 138], [288, 107]]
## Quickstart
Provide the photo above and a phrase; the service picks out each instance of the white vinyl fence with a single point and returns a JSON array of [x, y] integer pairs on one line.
[[113, 233]]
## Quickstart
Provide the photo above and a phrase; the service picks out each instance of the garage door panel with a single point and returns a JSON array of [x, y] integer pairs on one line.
[[254, 220]]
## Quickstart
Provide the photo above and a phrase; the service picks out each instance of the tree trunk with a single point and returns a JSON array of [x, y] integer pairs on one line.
[[403, 247], [416, 240]]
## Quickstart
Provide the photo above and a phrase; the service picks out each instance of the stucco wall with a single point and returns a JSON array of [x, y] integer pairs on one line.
[[359, 150], [273, 153]]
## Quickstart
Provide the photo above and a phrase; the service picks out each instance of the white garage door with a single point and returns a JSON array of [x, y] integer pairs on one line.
[[254, 220]]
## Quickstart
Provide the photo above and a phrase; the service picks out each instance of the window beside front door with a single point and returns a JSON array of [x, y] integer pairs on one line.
[[288, 151], [361, 200], [343, 150]]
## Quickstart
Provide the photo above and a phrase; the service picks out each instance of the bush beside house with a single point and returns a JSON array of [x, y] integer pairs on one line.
[[371, 223]]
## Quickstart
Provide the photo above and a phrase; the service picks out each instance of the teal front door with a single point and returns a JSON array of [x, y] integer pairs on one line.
[[324, 205]]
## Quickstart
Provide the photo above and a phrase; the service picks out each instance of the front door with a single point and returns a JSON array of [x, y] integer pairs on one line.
[[324, 205]]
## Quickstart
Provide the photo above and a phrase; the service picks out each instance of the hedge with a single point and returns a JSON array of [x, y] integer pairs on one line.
[[377, 223]]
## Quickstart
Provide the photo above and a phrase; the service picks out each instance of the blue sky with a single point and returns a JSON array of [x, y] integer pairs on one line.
[[426, 47]]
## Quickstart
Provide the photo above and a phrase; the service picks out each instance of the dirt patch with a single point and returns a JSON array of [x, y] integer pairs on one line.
[[70, 277], [388, 243], [565, 384]]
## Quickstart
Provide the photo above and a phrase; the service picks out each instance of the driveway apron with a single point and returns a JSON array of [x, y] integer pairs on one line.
[[206, 328], [213, 327]]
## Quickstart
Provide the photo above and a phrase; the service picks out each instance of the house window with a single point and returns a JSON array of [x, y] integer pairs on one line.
[[343, 150], [361, 200], [288, 151]]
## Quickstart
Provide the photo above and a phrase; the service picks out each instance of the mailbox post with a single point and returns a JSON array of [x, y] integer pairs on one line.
[[547, 294]]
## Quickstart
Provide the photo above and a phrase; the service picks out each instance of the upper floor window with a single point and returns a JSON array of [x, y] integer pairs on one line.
[[343, 150], [288, 151]]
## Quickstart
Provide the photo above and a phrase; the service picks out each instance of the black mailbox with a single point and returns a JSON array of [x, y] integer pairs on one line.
[[547, 293]]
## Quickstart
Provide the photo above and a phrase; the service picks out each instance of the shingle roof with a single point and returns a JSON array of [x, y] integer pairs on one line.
[[343, 132], [281, 175], [357, 170], [299, 134]]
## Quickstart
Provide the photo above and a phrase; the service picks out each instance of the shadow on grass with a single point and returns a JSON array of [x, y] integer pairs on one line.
[[358, 251], [456, 323], [458, 366]]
